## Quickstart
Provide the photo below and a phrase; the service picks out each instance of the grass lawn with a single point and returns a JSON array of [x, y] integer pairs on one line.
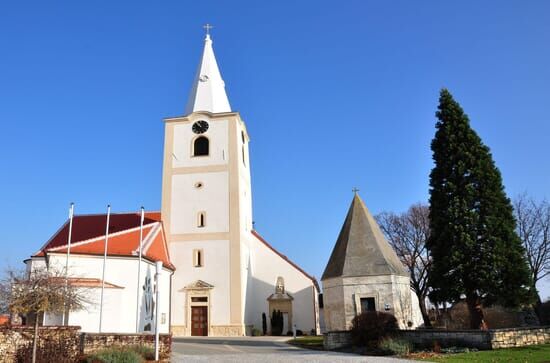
[[309, 342], [533, 353]]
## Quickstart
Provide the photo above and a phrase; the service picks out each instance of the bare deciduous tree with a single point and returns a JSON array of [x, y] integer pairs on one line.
[[37, 292], [408, 233], [533, 227]]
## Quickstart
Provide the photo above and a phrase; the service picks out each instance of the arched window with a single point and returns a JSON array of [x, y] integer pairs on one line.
[[201, 146]]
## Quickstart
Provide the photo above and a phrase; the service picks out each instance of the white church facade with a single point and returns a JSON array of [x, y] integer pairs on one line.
[[218, 274]]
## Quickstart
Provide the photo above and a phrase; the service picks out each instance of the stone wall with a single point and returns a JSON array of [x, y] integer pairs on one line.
[[55, 344], [64, 344], [517, 337], [428, 338], [92, 342], [336, 339], [480, 339]]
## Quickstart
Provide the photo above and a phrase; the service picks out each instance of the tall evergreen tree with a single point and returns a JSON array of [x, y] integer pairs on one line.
[[475, 249]]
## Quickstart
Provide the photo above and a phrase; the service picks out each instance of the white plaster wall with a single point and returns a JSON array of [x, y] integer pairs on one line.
[[187, 201], [340, 304], [183, 144], [265, 267], [119, 305], [215, 271]]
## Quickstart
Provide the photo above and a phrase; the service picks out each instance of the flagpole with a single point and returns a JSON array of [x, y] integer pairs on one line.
[[71, 213], [139, 266], [104, 263]]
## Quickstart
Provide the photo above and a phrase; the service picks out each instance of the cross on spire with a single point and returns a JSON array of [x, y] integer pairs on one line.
[[355, 190], [207, 27]]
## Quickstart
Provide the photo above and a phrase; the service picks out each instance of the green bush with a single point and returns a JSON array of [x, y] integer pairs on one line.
[[256, 332], [114, 355], [371, 327], [145, 351], [395, 346]]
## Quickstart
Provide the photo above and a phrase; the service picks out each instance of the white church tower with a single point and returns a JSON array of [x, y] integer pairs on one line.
[[225, 272], [206, 206]]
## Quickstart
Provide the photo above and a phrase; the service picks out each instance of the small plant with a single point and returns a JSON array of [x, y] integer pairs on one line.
[[114, 355], [370, 327], [395, 346], [148, 353], [256, 332]]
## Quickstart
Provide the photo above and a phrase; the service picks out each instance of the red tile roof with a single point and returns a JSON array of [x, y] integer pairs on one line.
[[88, 237]]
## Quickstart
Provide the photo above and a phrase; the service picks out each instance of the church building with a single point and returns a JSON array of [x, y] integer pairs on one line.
[[219, 275]]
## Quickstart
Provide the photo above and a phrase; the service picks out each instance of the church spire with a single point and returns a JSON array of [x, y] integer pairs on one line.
[[208, 91]]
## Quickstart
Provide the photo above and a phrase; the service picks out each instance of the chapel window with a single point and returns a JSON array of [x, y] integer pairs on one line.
[[201, 146], [198, 258], [201, 219], [368, 304]]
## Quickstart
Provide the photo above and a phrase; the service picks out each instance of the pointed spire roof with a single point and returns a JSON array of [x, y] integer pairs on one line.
[[208, 92], [361, 249]]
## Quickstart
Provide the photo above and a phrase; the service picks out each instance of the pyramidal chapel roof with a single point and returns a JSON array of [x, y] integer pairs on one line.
[[361, 249]]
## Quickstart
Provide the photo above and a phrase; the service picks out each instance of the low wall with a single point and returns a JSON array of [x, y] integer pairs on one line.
[[64, 344], [92, 342], [427, 338], [517, 337], [55, 344], [480, 339], [336, 339]]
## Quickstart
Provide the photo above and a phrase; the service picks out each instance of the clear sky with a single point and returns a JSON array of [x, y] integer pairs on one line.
[[335, 94]]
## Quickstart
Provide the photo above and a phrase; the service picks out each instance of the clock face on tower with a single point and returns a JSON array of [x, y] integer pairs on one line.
[[200, 127]]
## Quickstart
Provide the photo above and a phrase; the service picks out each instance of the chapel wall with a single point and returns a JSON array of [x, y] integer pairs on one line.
[[265, 267]]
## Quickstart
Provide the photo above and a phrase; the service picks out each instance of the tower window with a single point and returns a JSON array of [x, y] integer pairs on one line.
[[198, 258], [201, 219], [242, 136], [201, 146], [244, 158]]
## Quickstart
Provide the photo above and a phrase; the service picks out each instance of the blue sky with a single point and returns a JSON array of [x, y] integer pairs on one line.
[[335, 94]]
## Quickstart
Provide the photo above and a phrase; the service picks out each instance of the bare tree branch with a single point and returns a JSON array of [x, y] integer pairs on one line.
[[408, 233]]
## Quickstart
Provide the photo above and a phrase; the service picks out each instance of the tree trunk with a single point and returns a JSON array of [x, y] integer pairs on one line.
[[425, 316], [35, 338], [477, 319]]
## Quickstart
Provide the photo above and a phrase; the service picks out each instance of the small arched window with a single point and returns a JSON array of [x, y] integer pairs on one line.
[[201, 146]]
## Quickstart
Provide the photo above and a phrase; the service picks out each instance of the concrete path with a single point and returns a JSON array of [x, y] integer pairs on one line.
[[258, 349]]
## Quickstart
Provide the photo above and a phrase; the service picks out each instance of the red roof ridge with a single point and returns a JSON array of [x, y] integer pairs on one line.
[[261, 239], [94, 239], [138, 212]]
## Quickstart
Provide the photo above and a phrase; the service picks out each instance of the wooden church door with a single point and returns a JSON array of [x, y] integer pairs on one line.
[[199, 321]]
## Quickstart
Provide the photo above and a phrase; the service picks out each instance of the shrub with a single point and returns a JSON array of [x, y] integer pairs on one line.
[[370, 327], [277, 322], [256, 332], [395, 346], [114, 355], [148, 353]]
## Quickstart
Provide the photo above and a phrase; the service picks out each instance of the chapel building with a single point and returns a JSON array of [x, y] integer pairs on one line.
[[219, 276], [364, 274]]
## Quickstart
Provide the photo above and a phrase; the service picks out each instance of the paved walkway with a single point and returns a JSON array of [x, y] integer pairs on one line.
[[258, 349]]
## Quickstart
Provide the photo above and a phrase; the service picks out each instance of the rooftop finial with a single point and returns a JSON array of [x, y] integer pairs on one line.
[[207, 27], [354, 190]]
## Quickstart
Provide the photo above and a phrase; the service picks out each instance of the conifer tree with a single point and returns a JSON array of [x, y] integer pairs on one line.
[[475, 250]]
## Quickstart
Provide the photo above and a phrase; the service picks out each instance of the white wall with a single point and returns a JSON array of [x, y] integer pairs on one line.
[[183, 143], [215, 271], [188, 201], [119, 304], [265, 267]]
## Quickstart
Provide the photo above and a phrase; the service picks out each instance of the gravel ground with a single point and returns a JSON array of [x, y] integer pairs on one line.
[[258, 349]]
